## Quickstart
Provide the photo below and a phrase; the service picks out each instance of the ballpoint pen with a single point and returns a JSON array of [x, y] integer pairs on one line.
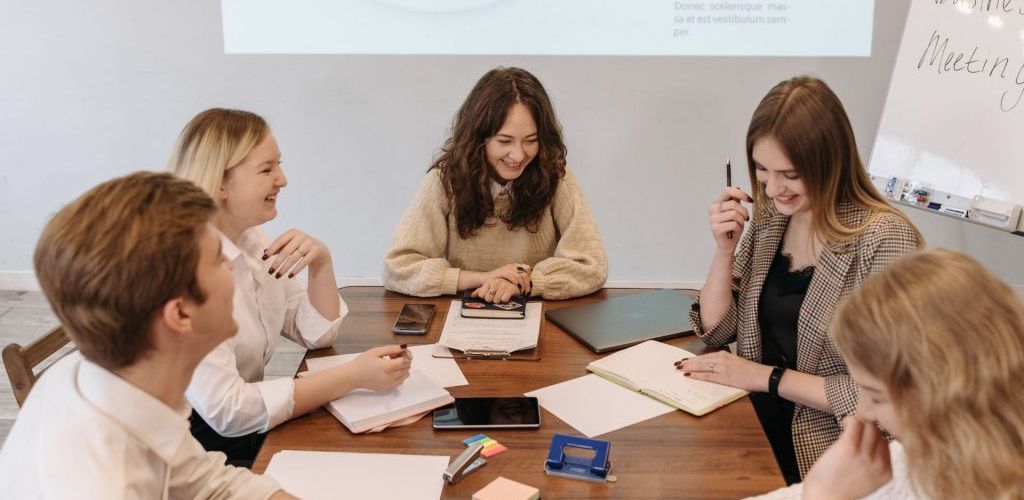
[[728, 182]]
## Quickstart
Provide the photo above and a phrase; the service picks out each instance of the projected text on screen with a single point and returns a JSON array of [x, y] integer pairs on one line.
[[550, 27]]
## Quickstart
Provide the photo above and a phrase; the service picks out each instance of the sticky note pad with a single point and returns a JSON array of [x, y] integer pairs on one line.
[[472, 439], [488, 442], [507, 489], [490, 451]]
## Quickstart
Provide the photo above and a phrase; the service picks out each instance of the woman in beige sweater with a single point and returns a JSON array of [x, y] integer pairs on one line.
[[499, 213]]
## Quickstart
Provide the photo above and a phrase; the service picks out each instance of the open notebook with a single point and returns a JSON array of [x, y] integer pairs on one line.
[[363, 410], [648, 368]]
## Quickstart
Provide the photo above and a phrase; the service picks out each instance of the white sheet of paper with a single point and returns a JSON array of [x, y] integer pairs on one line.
[[595, 406], [489, 334], [443, 372], [313, 475]]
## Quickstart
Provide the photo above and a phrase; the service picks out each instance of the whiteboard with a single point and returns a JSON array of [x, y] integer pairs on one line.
[[954, 116]]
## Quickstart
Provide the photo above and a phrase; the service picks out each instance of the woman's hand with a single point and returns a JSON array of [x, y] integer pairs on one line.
[[505, 282], [381, 368], [293, 251], [727, 217], [726, 368], [854, 467]]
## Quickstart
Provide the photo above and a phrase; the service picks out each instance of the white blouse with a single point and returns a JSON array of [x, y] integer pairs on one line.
[[228, 389], [899, 487]]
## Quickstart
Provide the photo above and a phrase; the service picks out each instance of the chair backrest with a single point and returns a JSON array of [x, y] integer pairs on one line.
[[20, 361]]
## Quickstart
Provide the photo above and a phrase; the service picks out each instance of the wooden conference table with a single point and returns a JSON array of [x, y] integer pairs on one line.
[[721, 455]]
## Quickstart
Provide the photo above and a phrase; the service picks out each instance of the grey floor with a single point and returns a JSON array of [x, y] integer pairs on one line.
[[24, 316]]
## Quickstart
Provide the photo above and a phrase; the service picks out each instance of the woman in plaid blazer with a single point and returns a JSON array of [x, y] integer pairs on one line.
[[820, 228]]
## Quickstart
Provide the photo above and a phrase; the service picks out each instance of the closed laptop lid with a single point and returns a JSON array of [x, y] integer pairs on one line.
[[624, 321]]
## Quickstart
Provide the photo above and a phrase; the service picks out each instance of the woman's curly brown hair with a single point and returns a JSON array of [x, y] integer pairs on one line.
[[463, 165]]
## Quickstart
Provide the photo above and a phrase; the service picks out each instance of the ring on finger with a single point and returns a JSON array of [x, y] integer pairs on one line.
[[712, 368]]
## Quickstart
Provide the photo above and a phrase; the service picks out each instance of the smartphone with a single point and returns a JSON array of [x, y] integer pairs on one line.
[[489, 413], [414, 319]]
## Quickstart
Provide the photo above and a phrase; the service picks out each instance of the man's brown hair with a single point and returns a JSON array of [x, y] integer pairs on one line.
[[110, 260]]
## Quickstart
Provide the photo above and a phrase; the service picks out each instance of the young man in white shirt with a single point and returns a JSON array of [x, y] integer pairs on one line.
[[134, 271]]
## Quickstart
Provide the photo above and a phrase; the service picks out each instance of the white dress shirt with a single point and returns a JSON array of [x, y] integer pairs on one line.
[[228, 389], [86, 433]]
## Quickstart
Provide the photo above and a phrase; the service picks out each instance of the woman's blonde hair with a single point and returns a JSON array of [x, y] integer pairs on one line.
[[808, 121], [946, 337], [213, 142]]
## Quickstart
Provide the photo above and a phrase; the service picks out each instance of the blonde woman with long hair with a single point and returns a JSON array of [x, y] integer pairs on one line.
[[936, 347], [819, 229], [235, 158]]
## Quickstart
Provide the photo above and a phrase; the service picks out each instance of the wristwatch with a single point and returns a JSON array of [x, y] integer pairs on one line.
[[774, 379]]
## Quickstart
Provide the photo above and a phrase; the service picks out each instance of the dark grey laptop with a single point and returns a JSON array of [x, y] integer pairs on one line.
[[624, 321]]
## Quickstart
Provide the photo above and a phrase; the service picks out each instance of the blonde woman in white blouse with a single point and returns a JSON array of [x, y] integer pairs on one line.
[[943, 379], [234, 157]]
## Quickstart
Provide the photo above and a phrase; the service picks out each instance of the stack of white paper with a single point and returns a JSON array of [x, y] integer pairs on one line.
[[314, 475]]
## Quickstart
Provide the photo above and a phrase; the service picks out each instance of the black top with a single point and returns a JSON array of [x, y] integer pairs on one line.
[[778, 313], [779, 310]]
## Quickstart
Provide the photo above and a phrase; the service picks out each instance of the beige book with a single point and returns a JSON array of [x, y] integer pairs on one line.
[[648, 368]]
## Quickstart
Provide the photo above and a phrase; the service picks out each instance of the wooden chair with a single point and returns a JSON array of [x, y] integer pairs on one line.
[[20, 361]]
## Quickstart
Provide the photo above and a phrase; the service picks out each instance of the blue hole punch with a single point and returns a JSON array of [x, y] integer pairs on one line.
[[560, 463]]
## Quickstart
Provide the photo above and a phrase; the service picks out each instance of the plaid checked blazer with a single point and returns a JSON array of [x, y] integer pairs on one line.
[[838, 272]]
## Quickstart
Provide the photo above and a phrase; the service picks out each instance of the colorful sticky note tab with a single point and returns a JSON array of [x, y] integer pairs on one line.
[[488, 442], [490, 451], [472, 439]]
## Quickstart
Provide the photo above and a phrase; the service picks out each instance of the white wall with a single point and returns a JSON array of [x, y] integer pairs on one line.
[[96, 89]]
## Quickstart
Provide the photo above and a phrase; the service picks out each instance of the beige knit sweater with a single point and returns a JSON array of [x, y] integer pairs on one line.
[[427, 252]]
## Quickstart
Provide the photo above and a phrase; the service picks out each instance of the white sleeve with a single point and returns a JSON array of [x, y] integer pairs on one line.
[[304, 324], [196, 473], [232, 406]]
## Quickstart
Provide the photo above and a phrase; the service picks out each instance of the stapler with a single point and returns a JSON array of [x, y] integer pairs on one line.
[[465, 463]]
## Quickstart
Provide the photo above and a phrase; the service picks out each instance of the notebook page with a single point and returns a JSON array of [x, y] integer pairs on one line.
[[651, 366], [643, 364]]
